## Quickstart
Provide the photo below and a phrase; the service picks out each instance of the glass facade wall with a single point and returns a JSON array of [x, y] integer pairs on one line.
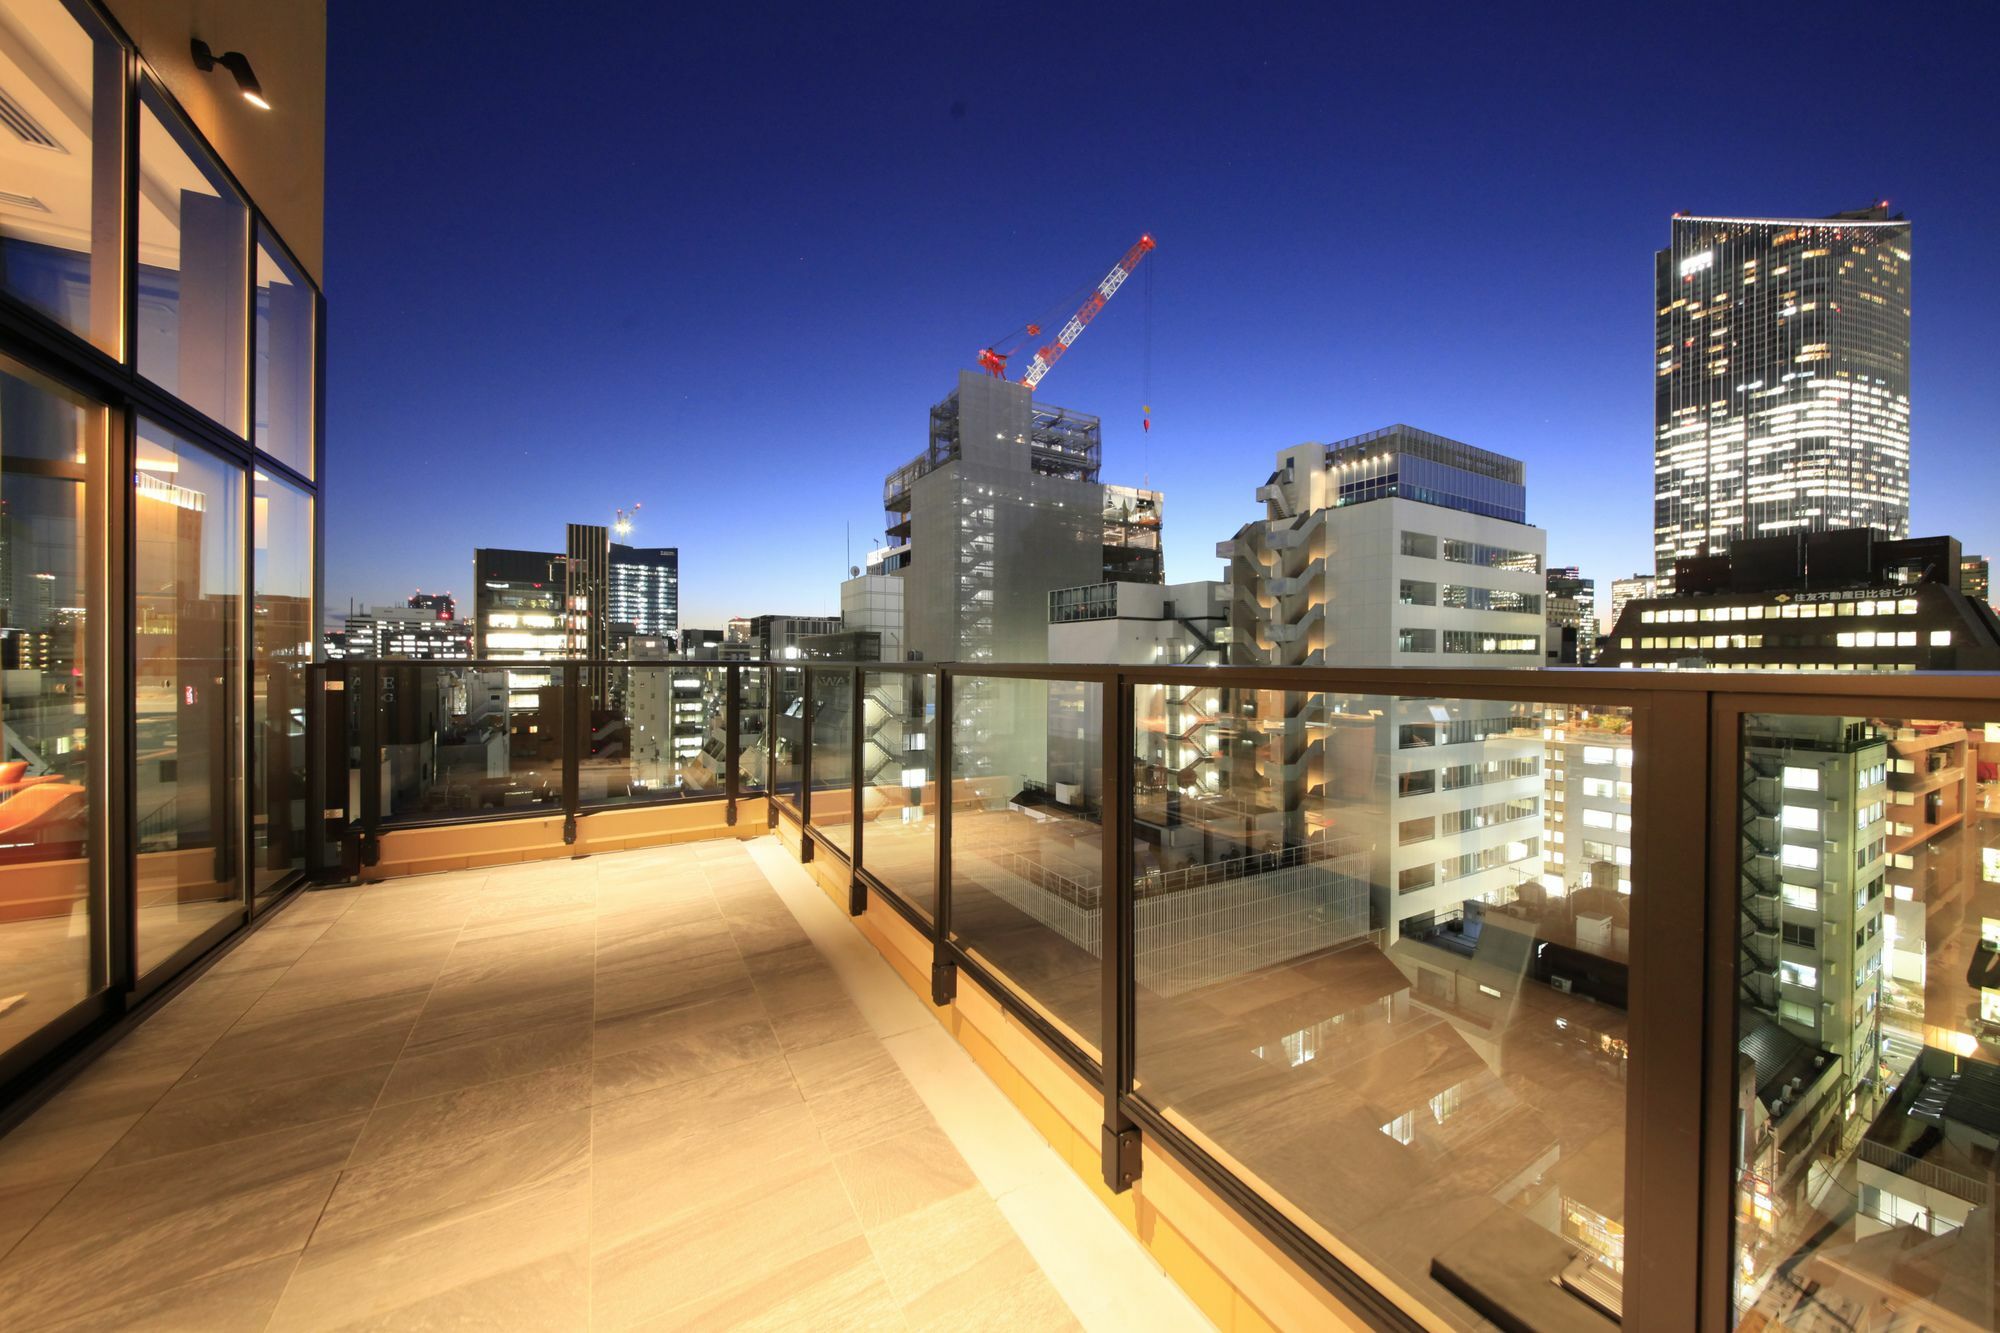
[[50, 921], [158, 540], [187, 626], [1782, 380], [281, 648], [62, 221], [194, 243]]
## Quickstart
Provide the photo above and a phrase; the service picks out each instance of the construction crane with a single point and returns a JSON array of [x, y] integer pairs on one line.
[[993, 359]]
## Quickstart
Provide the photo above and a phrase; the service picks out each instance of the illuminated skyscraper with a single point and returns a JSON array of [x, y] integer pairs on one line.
[[1782, 389]]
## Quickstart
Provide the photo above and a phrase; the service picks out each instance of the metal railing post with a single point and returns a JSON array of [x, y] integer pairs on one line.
[[326, 730], [805, 763], [369, 761], [771, 797], [732, 742], [1121, 1158], [572, 680], [944, 974], [857, 896]]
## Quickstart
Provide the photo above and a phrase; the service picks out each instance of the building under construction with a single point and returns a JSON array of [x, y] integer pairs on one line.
[[1001, 508]]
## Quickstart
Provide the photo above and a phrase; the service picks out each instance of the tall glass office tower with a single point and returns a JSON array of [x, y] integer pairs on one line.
[[1782, 388]]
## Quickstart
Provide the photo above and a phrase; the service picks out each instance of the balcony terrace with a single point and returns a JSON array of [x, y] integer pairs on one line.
[[581, 1027]]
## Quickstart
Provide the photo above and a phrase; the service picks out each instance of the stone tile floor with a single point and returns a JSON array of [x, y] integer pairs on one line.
[[624, 1091]]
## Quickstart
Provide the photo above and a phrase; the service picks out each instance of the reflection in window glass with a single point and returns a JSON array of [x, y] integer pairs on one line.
[[60, 213], [187, 588], [1420, 1046], [193, 270], [46, 925], [1869, 1052], [281, 646], [285, 333]]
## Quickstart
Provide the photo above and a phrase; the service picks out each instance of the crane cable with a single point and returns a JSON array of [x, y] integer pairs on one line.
[[1146, 382]]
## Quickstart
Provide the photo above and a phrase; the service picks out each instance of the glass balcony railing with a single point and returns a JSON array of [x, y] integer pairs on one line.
[[1512, 997]]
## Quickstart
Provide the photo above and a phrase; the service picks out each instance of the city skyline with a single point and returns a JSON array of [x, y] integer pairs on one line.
[[1484, 281]]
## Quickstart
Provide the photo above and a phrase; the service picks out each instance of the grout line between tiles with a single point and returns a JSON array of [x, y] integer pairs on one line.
[[1087, 1226]]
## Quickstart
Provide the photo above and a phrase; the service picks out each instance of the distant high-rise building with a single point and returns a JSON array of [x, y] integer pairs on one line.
[[1638, 587], [517, 604], [778, 636], [645, 591], [1003, 507], [1426, 540], [417, 633], [1824, 601], [1782, 380], [1395, 548], [442, 604], [1975, 578], [587, 590], [1572, 618]]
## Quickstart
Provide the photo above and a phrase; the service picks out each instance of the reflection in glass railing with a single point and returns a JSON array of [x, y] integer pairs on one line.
[[650, 724], [1027, 842], [831, 740], [1868, 980], [784, 744], [899, 784], [1381, 955], [468, 741]]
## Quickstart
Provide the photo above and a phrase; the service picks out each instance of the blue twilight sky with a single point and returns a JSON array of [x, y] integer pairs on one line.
[[719, 260]]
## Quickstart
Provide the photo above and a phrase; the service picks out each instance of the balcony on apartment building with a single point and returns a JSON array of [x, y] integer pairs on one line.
[[692, 991]]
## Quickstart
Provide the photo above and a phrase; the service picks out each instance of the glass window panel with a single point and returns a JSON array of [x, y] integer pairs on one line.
[[899, 776], [61, 209], [194, 269], [48, 919], [656, 734], [785, 750], [1421, 1049], [1026, 845], [461, 740], [285, 335], [1869, 1058], [281, 647], [188, 633], [833, 756]]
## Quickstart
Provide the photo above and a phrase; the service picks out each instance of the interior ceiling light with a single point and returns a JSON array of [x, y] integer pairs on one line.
[[237, 64]]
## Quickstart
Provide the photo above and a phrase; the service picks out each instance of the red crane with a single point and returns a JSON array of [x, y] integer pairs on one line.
[[994, 360]]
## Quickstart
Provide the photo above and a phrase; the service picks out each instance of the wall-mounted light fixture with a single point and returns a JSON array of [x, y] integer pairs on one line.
[[237, 64]]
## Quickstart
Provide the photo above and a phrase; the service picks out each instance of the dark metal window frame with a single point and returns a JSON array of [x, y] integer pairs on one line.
[[70, 359]]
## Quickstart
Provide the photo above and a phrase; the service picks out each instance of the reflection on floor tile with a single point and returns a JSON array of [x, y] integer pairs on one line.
[[620, 1091]]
